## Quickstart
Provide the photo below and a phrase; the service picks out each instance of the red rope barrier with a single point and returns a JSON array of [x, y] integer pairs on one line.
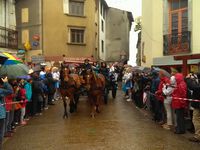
[[12, 103], [179, 98]]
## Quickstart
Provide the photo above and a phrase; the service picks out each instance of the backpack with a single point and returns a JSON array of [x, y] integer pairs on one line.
[[21, 94]]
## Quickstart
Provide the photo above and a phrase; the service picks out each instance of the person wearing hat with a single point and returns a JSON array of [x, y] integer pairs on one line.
[[86, 66]]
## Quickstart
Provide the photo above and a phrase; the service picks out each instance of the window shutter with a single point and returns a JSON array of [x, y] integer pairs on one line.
[[66, 6], [165, 17], [189, 15]]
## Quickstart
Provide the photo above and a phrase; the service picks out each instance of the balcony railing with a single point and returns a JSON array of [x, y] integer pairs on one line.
[[8, 38], [177, 43]]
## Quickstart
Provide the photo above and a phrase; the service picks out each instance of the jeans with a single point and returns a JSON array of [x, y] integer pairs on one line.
[[2, 124], [50, 98], [6, 121], [23, 112], [39, 107], [159, 114], [168, 108], [196, 121], [9, 120], [180, 128], [17, 115], [56, 94], [28, 109]]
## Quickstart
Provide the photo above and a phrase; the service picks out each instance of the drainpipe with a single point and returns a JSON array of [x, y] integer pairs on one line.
[[5, 20], [42, 24]]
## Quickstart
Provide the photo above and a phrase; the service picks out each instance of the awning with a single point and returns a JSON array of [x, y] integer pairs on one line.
[[69, 59]]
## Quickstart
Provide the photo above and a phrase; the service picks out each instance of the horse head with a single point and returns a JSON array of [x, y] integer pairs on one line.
[[88, 80]]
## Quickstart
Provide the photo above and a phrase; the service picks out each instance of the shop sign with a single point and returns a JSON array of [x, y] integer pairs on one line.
[[37, 59]]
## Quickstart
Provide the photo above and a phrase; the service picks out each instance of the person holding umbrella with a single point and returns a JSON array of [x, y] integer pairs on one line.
[[5, 89]]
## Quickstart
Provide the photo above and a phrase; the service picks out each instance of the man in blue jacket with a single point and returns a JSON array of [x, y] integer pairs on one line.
[[5, 89]]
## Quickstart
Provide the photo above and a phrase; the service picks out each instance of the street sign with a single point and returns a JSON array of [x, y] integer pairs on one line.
[[37, 59]]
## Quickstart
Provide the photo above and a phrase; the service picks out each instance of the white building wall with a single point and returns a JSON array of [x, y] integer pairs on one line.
[[155, 24], [195, 26], [10, 20], [102, 35], [117, 35]]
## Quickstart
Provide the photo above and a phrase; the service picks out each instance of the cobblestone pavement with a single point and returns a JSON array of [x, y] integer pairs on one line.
[[120, 126]]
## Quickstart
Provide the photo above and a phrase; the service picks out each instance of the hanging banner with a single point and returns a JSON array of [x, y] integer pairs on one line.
[[27, 45]]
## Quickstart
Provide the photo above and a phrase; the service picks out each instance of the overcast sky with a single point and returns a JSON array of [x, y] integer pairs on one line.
[[135, 6]]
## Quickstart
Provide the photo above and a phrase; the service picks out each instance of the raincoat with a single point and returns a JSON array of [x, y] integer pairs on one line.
[[180, 91], [4, 91]]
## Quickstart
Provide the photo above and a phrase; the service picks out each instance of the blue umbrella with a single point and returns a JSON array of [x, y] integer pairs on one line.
[[3, 58], [14, 71], [26, 77]]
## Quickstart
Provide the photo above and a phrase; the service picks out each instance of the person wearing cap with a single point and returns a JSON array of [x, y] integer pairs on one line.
[[5, 89]]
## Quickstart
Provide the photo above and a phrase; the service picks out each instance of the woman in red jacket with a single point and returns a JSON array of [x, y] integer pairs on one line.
[[160, 98], [179, 105]]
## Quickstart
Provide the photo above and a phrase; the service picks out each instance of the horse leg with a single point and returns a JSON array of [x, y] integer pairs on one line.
[[106, 92], [65, 107], [76, 99], [93, 111], [97, 105], [71, 104], [93, 107]]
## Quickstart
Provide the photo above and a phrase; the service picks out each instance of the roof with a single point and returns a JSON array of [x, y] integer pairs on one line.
[[105, 3], [129, 14]]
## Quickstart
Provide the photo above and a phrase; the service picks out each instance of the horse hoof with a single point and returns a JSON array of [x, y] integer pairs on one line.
[[97, 111], [65, 116], [92, 116]]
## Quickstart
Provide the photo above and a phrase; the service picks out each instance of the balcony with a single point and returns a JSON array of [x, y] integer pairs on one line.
[[177, 43], [8, 38]]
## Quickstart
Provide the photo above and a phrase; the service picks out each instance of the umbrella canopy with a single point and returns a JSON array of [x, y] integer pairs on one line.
[[126, 66], [11, 59], [164, 72], [26, 77], [37, 68], [141, 69], [14, 71], [3, 58]]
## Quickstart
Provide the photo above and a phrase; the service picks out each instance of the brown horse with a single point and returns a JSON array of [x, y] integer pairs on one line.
[[68, 89], [95, 85]]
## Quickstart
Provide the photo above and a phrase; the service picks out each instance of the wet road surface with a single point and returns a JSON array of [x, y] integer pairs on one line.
[[120, 126]]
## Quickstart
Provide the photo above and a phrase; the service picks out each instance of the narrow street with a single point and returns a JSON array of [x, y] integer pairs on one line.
[[120, 126]]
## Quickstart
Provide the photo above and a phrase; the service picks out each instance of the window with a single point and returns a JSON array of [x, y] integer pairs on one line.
[[76, 8], [102, 46], [178, 19], [25, 36], [77, 36], [104, 13], [25, 15], [179, 36], [177, 4], [101, 8], [102, 26]]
